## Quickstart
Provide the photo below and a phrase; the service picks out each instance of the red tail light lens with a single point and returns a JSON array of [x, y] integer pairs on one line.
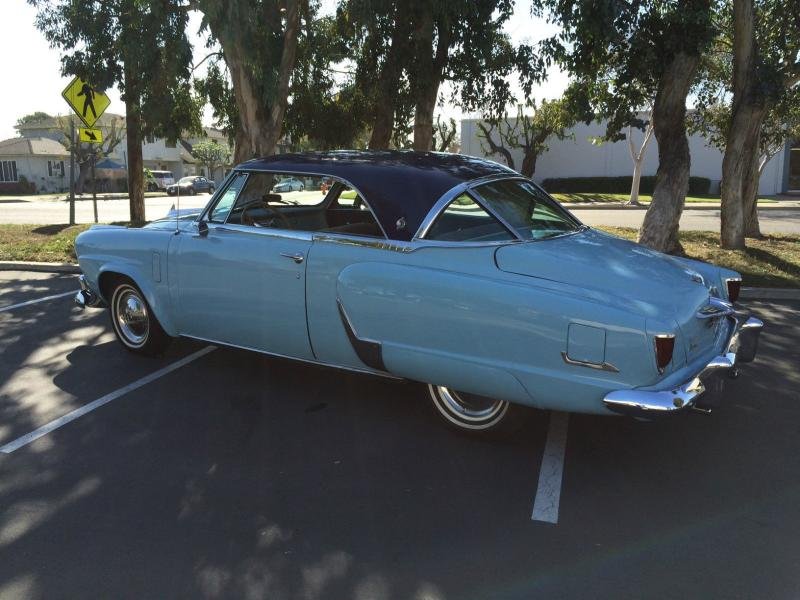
[[665, 345], [734, 287]]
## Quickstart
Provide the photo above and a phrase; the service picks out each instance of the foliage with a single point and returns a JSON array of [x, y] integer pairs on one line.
[[616, 185], [211, 154], [528, 133], [445, 135], [618, 51], [35, 117]]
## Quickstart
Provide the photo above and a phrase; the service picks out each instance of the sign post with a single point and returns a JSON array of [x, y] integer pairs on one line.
[[72, 170], [89, 105]]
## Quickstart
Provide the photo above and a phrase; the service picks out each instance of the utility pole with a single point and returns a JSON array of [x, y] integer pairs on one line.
[[72, 171]]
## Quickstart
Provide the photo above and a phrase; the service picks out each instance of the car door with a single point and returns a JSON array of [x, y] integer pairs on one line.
[[241, 284]]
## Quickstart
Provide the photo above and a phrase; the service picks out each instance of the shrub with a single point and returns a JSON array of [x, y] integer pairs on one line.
[[698, 186]]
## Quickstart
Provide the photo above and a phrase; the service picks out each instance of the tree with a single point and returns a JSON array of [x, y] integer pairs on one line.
[[211, 154], [107, 47], [638, 154], [258, 41], [84, 152], [758, 57], [529, 132], [623, 54], [35, 117], [445, 135]]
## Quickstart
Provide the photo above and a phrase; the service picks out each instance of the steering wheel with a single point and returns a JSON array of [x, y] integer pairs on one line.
[[249, 220]]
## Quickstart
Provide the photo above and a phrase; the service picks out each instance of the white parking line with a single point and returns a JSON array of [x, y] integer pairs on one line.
[[548, 494], [79, 412], [29, 302]]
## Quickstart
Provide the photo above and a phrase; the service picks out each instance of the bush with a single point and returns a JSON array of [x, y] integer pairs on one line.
[[23, 186], [698, 186]]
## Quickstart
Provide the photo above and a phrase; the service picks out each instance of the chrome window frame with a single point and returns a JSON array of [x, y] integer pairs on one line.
[[467, 187], [290, 232], [217, 196]]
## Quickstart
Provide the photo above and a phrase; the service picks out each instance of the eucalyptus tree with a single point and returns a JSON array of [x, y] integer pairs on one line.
[[258, 42], [625, 54], [139, 46], [529, 132], [760, 42]]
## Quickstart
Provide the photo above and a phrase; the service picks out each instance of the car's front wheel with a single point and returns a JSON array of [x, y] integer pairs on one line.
[[134, 323], [474, 414]]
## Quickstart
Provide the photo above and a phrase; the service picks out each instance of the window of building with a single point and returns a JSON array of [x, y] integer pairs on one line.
[[8, 171], [55, 168]]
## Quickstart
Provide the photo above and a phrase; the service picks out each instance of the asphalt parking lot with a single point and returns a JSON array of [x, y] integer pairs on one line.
[[240, 476]]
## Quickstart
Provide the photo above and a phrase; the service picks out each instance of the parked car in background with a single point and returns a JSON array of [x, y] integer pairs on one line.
[[189, 186], [158, 180], [290, 184], [442, 269]]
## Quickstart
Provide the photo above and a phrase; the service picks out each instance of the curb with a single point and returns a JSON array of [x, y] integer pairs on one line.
[[39, 267]]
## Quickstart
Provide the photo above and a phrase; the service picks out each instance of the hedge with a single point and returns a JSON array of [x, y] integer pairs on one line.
[[698, 186]]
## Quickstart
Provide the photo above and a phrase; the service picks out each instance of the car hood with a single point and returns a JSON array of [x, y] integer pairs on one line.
[[612, 269]]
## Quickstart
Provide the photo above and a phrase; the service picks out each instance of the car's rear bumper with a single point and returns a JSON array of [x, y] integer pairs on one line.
[[741, 347], [86, 297]]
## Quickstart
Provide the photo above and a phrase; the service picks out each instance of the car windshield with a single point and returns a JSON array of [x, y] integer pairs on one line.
[[525, 208]]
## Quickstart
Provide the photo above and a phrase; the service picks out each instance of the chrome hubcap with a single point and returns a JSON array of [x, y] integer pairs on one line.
[[131, 317], [470, 407]]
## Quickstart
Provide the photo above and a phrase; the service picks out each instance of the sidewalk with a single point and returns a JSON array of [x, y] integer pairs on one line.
[[64, 197], [779, 204]]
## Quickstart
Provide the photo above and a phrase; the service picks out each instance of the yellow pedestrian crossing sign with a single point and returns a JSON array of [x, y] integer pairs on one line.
[[92, 136], [88, 103]]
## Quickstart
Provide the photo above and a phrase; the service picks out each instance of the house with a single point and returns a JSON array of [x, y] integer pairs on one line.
[[36, 164], [158, 154], [578, 156]]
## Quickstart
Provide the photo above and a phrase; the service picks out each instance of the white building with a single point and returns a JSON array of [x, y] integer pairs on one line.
[[579, 157], [38, 161]]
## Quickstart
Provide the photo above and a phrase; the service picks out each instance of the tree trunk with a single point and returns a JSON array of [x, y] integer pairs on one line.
[[529, 163], [260, 127], [133, 124], [739, 165], [752, 227], [660, 227], [387, 88], [637, 178], [427, 75], [83, 173]]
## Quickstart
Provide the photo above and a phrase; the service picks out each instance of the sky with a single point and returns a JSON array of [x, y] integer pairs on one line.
[[33, 81]]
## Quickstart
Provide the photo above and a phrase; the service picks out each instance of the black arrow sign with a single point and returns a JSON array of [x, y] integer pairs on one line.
[[90, 134]]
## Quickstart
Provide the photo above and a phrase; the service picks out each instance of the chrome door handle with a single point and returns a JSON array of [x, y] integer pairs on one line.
[[295, 256]]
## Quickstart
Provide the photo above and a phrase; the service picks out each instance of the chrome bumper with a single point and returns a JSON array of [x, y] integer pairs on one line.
[[86, 297], [742, 347]]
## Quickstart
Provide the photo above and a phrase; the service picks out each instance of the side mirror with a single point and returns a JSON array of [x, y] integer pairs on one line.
[[202, 228]]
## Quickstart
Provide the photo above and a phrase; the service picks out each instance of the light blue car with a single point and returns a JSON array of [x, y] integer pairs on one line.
[[435, 268]]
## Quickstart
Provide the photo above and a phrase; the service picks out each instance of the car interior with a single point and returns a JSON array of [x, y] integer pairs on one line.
[[323, 205]]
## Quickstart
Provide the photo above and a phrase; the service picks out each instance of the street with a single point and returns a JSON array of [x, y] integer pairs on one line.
[[214, 472]]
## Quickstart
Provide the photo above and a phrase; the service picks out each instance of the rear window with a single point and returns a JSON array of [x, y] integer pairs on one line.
[[464, 220]]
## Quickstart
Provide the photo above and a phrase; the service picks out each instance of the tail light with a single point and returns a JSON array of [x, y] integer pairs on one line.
[[665, 345], [734, 287]]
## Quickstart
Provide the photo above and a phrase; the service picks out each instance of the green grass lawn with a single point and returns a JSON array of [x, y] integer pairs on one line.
[[592, 198], [773, 261]]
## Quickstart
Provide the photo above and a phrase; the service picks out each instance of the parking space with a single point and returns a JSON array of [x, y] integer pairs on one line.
[[242, 476]]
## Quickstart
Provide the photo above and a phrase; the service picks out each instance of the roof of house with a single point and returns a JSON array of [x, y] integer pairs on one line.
[[105, 120], [400, 186], [35, 146]]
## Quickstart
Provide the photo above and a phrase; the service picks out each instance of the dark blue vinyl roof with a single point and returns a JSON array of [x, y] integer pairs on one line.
[[396, 184]]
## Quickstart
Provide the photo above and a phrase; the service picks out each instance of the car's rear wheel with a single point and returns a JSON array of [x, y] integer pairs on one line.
[[474, 414], [134, 323]]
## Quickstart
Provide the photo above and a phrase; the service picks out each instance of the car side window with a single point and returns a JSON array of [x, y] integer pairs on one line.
[[219, 213], [464, 220]]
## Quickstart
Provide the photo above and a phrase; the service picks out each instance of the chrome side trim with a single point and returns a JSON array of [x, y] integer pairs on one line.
[[716, 307], [604, 366], [370, 352], [293, 234], [363, 241], [318, 363]]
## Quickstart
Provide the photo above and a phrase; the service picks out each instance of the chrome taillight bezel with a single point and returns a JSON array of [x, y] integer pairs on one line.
[[664, 346]]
